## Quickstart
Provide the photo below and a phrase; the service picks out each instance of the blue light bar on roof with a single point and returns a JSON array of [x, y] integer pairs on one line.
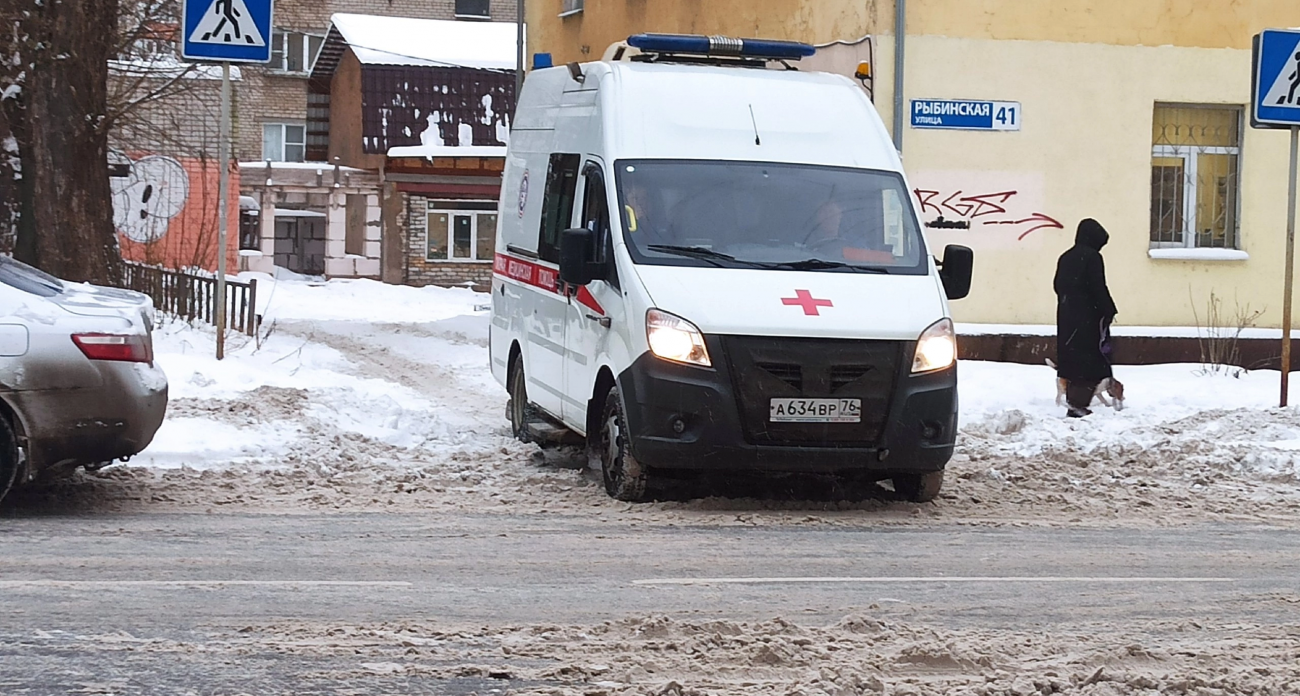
[[720, 46]]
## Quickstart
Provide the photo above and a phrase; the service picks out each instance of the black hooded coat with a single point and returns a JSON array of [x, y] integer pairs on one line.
[[1084, 308]]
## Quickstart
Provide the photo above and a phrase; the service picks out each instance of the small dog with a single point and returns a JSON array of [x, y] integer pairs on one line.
[[1109, 386]]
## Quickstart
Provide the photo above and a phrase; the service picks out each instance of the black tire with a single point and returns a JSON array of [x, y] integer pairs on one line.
[[919, 488], [519, 410], [625, 477], [8, 456]]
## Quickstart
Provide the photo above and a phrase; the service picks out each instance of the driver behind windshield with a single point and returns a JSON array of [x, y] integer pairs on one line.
[[642, 215], [844, 232]]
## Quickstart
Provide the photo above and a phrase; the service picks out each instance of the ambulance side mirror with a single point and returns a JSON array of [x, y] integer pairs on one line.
[[955, 270], [576, 249]]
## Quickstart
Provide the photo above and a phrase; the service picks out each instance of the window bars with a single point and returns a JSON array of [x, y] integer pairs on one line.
[[1195, 176]]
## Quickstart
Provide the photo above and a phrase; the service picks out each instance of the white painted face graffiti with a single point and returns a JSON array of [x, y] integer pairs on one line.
[[145, 202]]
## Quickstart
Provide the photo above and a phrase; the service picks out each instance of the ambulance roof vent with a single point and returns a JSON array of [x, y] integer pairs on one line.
[[693, 48]]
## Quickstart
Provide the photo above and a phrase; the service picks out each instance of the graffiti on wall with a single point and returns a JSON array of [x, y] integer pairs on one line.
[[969, 211], [165, 209], [984, 208], [146, 199]]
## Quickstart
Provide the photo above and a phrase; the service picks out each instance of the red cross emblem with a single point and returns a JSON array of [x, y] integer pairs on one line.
[[804, 299]]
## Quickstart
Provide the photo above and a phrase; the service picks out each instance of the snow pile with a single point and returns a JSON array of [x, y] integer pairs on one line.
[[296, 396], [1181, 418]]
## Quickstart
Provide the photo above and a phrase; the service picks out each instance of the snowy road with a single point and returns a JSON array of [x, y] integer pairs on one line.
[[567, 604], [340, 510]]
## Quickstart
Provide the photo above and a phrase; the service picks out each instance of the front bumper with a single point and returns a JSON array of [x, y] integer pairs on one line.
[[918, 433], [67, 428]]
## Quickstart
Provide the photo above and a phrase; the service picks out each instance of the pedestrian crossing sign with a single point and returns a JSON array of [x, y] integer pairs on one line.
[[1275, 86], [237, 31]]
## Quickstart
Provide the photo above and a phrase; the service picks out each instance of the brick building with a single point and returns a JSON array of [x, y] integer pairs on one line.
[[408, 118], [271, 102], [298, 208]]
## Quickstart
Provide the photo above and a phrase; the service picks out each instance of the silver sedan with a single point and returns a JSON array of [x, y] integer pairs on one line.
[[78, 383]]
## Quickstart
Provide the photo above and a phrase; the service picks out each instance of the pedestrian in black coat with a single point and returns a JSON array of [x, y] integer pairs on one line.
[[1084, 311]]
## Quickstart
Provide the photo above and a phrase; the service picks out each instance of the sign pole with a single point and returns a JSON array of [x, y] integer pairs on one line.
[[1290, 265], [519, 49], [223, 192]]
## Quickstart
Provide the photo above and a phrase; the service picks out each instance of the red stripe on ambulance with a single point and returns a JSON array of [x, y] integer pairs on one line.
[[539, 276]]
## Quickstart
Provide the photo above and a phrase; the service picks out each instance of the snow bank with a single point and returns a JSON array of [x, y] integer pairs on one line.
[[259, 403], [359, 300], [1196, 418]]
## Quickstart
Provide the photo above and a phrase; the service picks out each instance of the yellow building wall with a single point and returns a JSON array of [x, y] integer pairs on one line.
[[1087, 76], [586, 35], [1187, 23], [1084, 150]]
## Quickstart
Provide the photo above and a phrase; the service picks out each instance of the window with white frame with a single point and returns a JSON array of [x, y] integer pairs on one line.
[[1195, 176], [570, 7], [294, 51], [284, 142], [461, 231]]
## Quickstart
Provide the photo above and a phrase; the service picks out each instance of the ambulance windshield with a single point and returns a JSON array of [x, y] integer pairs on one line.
[[768, 215]]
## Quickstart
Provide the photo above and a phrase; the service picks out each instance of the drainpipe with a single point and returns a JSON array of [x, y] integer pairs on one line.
[[900, 39]]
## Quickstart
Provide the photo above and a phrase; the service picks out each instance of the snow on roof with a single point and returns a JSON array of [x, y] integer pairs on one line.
[[427, 42], [321, 166], [432, 151]]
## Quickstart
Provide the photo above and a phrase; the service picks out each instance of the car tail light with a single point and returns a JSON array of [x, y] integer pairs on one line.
[[121, 347]]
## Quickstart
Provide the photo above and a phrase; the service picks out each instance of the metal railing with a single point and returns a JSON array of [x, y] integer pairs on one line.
[[194, 297]]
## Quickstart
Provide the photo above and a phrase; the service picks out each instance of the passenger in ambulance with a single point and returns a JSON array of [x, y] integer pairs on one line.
[[845, 232]]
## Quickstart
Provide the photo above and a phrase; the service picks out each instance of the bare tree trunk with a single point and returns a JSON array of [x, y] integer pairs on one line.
[[63, 142]]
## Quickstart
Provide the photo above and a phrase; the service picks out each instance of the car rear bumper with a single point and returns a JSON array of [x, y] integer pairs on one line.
[[917, 435], [72, 427]]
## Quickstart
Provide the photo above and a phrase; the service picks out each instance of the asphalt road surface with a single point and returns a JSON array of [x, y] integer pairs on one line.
[[160, 603]]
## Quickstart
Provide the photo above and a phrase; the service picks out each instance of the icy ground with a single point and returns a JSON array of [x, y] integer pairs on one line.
[[368, 395]]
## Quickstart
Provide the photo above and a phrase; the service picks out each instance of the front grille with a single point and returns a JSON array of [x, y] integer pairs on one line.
[[790, 374], [763, 368], [844, 375]]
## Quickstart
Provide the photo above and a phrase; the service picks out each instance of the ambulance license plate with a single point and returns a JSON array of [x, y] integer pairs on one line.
[[816, 411]]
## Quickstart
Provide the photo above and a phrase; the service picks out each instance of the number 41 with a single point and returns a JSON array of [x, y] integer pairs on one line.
[[1006, 115]]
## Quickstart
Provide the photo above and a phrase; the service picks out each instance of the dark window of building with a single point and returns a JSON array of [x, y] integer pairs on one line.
[[473, 9], [250, 231], [318, 124], [354, 240]]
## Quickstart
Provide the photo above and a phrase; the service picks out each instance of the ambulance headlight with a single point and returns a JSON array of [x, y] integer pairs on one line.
[[673, 338], [936, 349]]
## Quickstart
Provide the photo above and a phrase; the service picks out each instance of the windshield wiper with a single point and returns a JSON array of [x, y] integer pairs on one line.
[[695, 252], [820, 264]]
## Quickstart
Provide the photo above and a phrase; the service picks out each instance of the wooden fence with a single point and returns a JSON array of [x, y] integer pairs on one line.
[[194, 297]]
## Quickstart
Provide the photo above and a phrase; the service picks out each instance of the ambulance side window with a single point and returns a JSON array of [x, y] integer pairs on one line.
[[595, 217], [557, 204]]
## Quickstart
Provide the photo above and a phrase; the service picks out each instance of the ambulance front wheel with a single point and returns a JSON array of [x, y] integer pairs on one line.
[[520, 411], [625, 477]]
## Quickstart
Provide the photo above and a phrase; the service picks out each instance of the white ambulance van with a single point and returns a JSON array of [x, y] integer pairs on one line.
[[708, 260]]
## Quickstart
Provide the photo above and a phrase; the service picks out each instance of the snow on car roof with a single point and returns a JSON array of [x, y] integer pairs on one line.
[[426, 42]]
